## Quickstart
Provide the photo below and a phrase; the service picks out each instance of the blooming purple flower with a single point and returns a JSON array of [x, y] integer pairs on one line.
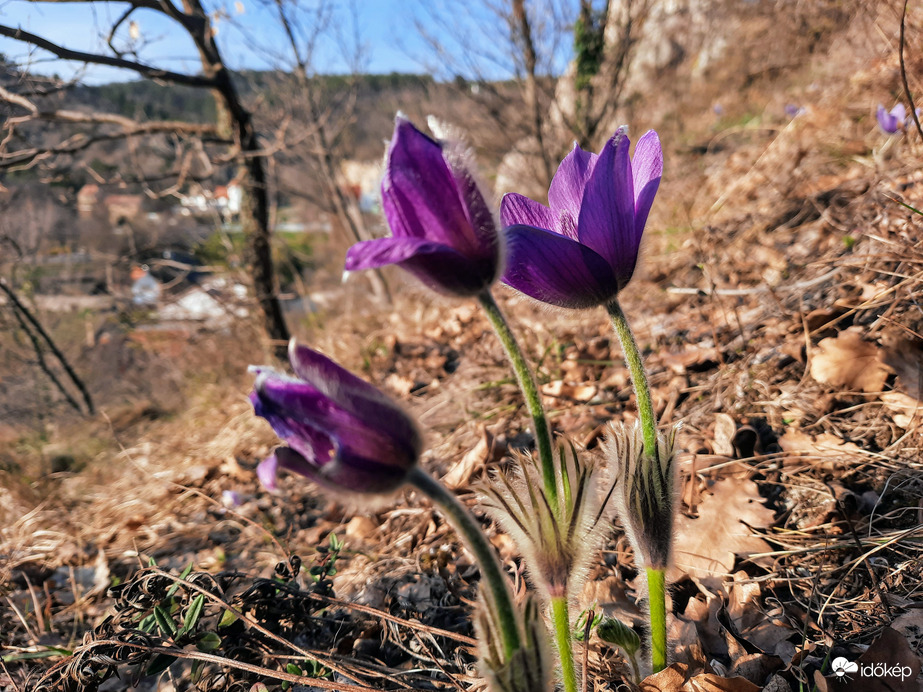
[[442, 230], [582, 249], [891, 121], [341, 431]]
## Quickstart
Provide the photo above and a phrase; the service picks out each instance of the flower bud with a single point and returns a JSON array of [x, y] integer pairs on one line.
[[618, 633], [645, 492]]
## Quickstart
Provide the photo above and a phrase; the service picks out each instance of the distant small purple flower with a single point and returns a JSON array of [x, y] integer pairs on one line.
[[582, 250], [718, 109], [892, 121], [231, 498], [341, 432], [793, 110], [442, 230]]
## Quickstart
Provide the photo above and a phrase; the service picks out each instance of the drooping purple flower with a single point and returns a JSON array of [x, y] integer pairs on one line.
[[341, 432], [891, 121], [442, 230], [581, 250]]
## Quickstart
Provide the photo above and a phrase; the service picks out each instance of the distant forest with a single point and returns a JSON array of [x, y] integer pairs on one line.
[[146, 100]]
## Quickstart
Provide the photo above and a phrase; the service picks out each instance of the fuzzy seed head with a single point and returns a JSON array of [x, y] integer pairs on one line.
[[645, 491], [557, 548]]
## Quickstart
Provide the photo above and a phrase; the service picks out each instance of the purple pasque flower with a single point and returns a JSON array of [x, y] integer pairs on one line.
[[581, 250], [891, 121], [341, 431], [442, 230]]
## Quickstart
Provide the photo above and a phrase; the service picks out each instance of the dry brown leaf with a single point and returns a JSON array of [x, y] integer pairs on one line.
[[359, 528], [678, 678], [905, 357], [903, 407], [576, 392], [725, 428], [848, 362], [474, 460], [705, 547], [824, 445], [670, 679]]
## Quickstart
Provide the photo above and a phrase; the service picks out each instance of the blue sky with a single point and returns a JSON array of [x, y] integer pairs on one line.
[[246, 33]]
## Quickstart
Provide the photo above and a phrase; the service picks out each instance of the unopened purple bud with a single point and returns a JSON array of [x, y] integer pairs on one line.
[[341, 432]]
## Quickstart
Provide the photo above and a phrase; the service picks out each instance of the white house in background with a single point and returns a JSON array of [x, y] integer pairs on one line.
[[228, 198], [225, 199], [362, 180]]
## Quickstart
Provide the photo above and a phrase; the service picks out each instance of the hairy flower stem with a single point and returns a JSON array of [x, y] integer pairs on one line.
[[499, 595], [656, 580], [656, 591], [638, 377], [562, 634], [529, 391]]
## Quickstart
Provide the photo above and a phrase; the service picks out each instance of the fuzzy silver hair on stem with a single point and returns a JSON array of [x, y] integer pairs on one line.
[[556, 547], [530, 668], [645, 491]]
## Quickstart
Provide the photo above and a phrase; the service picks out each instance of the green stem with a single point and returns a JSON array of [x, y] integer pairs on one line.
[[657, 595], [529, 391], [562, 634], [638, 377], [470, 531]]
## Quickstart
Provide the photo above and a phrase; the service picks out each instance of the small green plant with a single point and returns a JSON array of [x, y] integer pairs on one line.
[[324, 569]]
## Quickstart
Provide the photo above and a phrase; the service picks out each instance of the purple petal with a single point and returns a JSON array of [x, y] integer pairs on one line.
[[554, 269], [439, 266], [606, 222], [519, 210], [267, 471], [647, 169], [347, 473], [420, 195], [327, 377], [479, 214], [287, 459], [899, 113], [886, 121], [311, 442], [569, 183], [321, 429], [350, 392]]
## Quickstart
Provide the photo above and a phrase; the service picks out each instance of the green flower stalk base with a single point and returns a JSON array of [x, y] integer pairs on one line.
[[498, 591], [657, 595], [529, 391], [652, 453], [562, 633]]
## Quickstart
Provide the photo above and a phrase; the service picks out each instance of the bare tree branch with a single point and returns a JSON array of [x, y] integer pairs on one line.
[[29, 322], [147, 71]]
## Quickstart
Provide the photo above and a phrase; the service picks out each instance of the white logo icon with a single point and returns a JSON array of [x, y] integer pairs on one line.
[[841, 667]]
